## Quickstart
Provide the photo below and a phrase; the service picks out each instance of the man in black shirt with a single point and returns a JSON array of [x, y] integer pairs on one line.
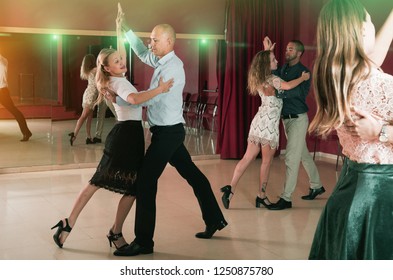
[[295, 120]]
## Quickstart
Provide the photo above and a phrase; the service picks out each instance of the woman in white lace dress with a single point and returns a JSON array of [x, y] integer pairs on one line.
[[263, 135], [88, 72], [357, 220]]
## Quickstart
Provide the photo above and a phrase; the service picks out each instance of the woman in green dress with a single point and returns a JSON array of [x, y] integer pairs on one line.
[[355, 97]]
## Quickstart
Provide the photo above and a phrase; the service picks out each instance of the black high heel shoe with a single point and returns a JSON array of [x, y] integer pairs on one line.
[[262, 201], [226, 196], [60, 229], [114, 237], [89, 141], [72, 137]]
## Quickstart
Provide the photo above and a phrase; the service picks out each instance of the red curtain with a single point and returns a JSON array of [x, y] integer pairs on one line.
[[247, 23]]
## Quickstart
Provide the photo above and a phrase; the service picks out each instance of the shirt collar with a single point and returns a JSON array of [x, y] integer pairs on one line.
[[166, 57]]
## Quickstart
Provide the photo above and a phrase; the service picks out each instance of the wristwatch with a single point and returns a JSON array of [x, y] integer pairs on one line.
[[383, 137]]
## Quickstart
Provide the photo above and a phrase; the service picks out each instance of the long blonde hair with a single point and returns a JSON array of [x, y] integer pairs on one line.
[[340, 64], [88, 64], [259, 71], [102, 76]]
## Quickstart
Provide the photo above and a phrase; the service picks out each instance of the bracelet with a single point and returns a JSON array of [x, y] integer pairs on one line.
[[383, 136]]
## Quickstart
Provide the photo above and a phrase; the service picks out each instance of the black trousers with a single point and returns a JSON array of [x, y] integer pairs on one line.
[[167, 146], [6, 101]]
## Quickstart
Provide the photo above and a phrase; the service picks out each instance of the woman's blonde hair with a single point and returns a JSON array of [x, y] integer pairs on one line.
[[88, 64], [259, 71], [340, 64], [102, 76]]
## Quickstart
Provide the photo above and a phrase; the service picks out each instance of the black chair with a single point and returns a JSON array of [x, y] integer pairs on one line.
[[331, 137], [209, 112], [193, 111], [186, 98]]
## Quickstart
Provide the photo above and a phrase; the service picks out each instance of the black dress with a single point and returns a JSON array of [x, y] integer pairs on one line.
[[123, 156]]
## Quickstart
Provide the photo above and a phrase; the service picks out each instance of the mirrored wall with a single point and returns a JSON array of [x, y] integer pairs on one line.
[[44, 83]]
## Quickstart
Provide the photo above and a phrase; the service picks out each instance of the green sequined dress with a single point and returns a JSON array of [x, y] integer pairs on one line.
[[357, 221]]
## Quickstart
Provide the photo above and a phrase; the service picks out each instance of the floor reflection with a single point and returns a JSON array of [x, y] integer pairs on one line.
[[252, 233], [49, 145]]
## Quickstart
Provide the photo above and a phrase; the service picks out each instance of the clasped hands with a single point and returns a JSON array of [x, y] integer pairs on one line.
[[120, 19], [110, 95], [267, 44], [364, 125]]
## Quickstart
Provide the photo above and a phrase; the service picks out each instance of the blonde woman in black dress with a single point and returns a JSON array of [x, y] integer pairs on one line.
[[124, 147]]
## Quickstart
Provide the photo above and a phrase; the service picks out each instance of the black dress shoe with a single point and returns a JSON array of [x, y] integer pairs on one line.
[[313, 193], [96, 140], [281, 204], [210, 230], [226, 196], [132, 250]]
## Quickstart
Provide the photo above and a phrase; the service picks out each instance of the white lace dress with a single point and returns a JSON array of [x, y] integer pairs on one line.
[[91, 93], [264, 129]]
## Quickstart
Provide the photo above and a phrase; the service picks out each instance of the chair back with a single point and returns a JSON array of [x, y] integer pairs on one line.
[[210, 106], [186, 98], [193, 103]]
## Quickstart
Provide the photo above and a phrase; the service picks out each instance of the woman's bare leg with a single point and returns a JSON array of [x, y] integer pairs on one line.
[[88, 124], [85, 113], [80, 202], [250, 155], [267, 158], [124, 207]]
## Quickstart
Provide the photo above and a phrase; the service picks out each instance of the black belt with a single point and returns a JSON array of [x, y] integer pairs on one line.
[[289, 116], [132, 122]]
